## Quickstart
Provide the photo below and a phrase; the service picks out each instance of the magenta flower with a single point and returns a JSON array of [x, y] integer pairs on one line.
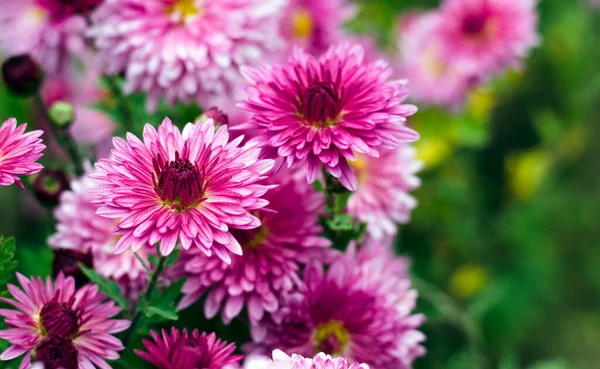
[[314, 24], [426, 61], [180, 350], [273, 255], [326, 110], [282, 361], [359, 309], [384, 184], [19, 152], [80, 229], [188, 187], [188, 50], [65, 328], [49, 30], [488, 36]]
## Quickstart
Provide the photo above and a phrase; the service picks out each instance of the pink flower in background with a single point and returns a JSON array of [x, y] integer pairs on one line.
[[190, 187], [427, 63], [49, 30], [359, 309], [282, 361], [315, 24], [187, 50], [323, 111], [65, 327], [178, 350], [80, 229], [19, 152], [383, 196], [273, 255], [488, 36]]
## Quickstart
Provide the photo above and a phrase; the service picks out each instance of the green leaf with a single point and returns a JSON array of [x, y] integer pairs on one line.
[[165, 312], [7, 264], [110, 288], [173, 257], [341, 222], [341, 200], [318, 186]]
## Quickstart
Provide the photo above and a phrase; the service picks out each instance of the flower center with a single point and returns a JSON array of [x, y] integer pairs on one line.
[[198, 349], [58, 318], [184, 8], [57, 352], [249, 238], [331, 338], [320, 104], [477, 27], [359, 166], [302, 24], [179, 182]]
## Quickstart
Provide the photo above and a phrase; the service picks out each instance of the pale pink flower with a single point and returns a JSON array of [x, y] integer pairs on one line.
[[283, 361], [323, 111], [191, 186], [19, 152], [383, 196], [185, 50]]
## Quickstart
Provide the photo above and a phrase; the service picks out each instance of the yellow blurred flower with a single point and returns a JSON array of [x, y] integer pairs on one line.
[[434, 150], [527, 171], [468, 280]]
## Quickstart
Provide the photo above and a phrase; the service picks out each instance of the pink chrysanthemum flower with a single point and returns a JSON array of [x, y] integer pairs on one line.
[[180, 350], [282, 361], [487, 36], [384, 184], [185, 49], [273, 254], [359, 309], [19, 152], [80, 229], [315, 24], [425, 61], [49, 30], [189, 187], [65, 328], [326, 110]]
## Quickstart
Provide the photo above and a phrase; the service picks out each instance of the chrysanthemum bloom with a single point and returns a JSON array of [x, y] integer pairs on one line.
[[488, 36], [326, 110], [65, 328], [314, 24], [384, 184], [425, 61], [80, 229], [359, 309], [190, 186], [185, 49], [49, 30], [273, 253], [282, 361], [19, 152], [180, 350]]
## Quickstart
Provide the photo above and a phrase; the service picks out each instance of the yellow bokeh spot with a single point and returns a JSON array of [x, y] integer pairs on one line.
[[527, 171], [302, 24], [359, 166], [185, 8], [434, 66], [468, 280], [332, 332], [433, 151], [480, 103]]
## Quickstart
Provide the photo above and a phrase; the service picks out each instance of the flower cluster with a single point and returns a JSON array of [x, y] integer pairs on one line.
[[447, 52]]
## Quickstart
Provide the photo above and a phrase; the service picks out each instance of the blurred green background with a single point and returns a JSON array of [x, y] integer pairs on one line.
[[505, 242]]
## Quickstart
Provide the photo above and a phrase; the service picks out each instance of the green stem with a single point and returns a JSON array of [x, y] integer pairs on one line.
[[124, 109], [62, 136], [144, 299]]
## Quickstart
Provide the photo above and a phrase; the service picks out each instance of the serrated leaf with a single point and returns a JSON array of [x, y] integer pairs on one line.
[[7, 264], [165, 312], [110, 288]]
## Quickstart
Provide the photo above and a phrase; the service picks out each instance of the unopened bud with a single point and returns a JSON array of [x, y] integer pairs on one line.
[[49, 184], [62, 114], [22, 75], [217, 115]]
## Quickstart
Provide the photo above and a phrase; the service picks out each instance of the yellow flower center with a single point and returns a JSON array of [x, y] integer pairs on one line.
[[331, 338], [302, 24], [359, 166], [184, 8]]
